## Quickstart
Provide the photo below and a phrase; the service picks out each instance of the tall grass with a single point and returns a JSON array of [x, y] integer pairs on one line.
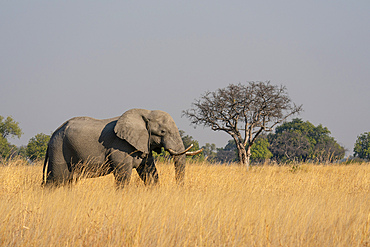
[[314, 205]]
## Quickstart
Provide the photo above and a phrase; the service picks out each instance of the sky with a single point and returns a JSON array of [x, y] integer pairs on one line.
[[61, 59]]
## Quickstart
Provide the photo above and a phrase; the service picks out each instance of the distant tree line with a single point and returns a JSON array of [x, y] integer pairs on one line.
[[295, 140], [35, 149], [292, 141], [249, 112]]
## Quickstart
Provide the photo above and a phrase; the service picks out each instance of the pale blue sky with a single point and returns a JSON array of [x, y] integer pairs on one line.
[[60, 59]]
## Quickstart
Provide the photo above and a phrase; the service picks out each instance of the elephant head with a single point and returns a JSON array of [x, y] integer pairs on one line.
[[150, 130]]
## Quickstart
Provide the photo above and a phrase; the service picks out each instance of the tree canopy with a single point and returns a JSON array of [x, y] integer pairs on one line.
[[243, 111], [37, 146], [260, 150], [8, 128], [302, 141], [362, 146]]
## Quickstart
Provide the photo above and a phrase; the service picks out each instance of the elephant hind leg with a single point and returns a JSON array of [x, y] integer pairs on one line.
[[58, 174]]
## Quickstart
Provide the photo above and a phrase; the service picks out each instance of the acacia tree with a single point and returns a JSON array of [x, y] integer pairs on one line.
[[243, 111]]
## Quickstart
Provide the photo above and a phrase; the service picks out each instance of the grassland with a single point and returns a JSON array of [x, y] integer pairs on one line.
[[312, 205]]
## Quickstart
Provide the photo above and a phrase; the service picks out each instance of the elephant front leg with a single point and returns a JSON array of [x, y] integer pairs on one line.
[[122, 175], [147, 171]]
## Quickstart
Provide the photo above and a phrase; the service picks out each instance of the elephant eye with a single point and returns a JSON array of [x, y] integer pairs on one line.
[[163, 132]]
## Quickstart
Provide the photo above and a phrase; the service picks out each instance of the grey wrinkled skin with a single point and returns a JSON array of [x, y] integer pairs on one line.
[[93, 147]]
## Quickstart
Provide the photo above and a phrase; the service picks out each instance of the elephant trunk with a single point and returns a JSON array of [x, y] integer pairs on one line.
[[175, 147], [177, 150], [180, 161]]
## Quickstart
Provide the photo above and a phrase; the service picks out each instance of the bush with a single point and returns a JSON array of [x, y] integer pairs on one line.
[[362, 146], [37, 146]]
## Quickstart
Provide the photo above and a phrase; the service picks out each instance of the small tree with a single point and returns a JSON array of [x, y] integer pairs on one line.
[[8, 127], [243, 111], [289, 146], [36, 148], [302, 141], [260, 150], [362, 146]]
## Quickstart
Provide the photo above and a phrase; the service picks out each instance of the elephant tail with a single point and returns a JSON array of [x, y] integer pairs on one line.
[[45, 168]]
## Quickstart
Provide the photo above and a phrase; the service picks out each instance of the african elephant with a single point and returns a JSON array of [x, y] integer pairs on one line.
[[115, 145]]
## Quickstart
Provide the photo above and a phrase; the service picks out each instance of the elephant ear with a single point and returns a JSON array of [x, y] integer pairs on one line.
[[131, 126]]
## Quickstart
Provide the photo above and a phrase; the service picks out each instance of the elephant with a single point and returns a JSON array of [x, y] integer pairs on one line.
[[95, 147]]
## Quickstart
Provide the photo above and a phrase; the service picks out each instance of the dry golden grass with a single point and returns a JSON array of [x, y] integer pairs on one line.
[[314, 205]]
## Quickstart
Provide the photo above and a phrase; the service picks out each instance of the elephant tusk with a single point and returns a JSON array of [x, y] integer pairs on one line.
[[181, 153], [194, 152]]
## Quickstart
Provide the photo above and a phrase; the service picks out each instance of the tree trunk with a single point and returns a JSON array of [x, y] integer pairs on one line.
[[244, 154]]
